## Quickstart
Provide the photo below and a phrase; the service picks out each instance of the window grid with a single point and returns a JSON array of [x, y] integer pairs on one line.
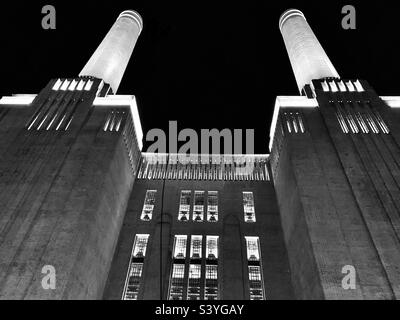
[[212, 248], [248, 206], [197, 283], [177, 282], [132, 283], [256, 285], [211, 283], [196, 246], [180, 247], [198, 210], [148, 206], [194, 282], [184, 206], [212, 206]]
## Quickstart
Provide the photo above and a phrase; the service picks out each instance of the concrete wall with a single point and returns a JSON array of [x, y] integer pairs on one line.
[[62, 201], [338, 197]]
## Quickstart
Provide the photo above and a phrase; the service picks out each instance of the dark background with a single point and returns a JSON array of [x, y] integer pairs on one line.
[[205, 64]]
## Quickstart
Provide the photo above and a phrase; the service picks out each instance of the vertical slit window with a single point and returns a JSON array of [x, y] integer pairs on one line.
[[212, 206], [132, 284], [211, 277], [212, 248], [248, 206], [148, 206], [177, 281], [256, 283], [194, 282], [198, 209], [211, 283], [195, 247], [180, 247], [184, 206]]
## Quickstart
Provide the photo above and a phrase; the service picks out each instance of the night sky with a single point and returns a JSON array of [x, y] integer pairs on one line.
[[204, 64]]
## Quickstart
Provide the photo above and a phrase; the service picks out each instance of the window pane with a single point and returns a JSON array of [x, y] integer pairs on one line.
[[148, 207], [132, 284], [198, 210], [180, 247], [195, 248], [211, 283], [255, 282], [212, 247], [194, 282], [248, 205], [177, 282], [140, 245], [212, 206], [184, 206], [253, 251]]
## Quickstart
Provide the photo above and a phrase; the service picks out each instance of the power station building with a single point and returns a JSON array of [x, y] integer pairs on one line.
[[79, 194]]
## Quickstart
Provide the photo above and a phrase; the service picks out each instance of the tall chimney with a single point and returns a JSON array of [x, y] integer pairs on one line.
[[307, 57], [112, 56]]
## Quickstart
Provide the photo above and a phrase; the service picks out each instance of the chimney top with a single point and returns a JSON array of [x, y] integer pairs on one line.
[[132, 14], [288, 14]]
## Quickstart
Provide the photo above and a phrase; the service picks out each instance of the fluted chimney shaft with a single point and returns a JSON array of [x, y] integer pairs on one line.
[[111, 58], [307, 57]]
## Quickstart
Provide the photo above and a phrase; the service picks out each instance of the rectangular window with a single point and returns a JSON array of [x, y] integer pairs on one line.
[[148, 207], [212, 206], [211, 283], [211, 279], [253, 250], [248, 205], [184, 206], [256, 284], [177, 282], [132, 283], [180, 247], [198, 209], [193, 292], [195, 247], [212, 247]]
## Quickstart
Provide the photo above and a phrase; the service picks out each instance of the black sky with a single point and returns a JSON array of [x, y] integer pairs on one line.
[[205, 64]]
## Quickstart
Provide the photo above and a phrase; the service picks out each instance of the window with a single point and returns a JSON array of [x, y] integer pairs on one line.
[[248, 205], [180, 247], [140, 246], [148, 207], [178, 268], [193, 292], [212, 206], [132, 283], [195, 247], [184, 206], [211, 278], [212, 247], [211, 283], [198, 210], [177, 282], [253, 252], [256, 285]]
